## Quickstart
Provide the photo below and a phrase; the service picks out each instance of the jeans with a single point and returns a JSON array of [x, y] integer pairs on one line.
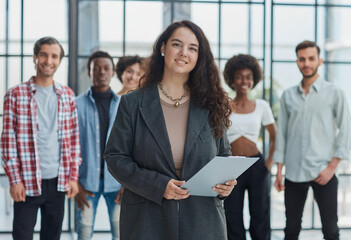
[[51, 204], [256, 180], [326, 198], [86, 218]]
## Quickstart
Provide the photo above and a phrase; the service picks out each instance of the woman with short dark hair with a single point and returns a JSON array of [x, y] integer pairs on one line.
[[129, 71]]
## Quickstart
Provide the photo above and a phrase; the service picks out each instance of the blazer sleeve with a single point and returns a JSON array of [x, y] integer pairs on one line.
[[224, 146], [119, 158]]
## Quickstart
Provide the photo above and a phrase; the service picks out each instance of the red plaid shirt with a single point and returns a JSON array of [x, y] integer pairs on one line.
[[19, 137]]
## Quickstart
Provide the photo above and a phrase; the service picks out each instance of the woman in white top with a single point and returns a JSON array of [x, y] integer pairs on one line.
[[242, 73]]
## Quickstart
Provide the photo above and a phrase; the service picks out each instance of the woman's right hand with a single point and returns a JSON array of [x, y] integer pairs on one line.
[[173, 190]]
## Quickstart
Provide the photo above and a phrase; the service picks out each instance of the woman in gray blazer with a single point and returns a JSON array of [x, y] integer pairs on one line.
[[163, 134]]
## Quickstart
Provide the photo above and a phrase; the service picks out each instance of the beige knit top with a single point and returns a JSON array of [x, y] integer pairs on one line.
[[176, 123]]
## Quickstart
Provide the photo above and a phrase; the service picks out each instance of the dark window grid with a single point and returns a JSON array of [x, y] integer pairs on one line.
[[264, 3]]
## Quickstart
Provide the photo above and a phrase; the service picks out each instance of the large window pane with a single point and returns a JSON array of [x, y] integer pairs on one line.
[[285, 75], [338, 39], [15, 26], [322, 29], [142, 28], [14, 66], [110, 26], [14, 47], [88, 27], [2, 26], [207, 22], [291, 26], [339, 74], [29, 68], [2, 85], [2, 46], [234, 30], [39, 22], [257, 29]]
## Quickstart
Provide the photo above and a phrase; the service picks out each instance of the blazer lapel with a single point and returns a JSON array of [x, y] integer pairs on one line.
[[151, 112], [197, 119]]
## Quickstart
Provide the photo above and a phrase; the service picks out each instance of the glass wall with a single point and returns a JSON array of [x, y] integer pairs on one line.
[[269, 30]]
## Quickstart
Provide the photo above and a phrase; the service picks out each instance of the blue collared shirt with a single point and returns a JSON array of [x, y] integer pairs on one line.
[[88, 117], [312, 129]]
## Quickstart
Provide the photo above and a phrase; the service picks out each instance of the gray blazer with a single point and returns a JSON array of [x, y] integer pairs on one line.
[[138, 155]]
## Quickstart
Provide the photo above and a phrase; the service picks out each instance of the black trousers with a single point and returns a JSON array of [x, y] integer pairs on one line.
[[256, 180], [326, 198], [51, 204]]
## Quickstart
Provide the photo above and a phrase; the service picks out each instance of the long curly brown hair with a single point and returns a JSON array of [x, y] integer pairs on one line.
[[204, 81]]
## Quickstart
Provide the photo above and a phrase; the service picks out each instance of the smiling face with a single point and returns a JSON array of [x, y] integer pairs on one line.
[[308, 61], [180, 52], [47, 60], [101, 72], [131, 76], [243, 81]]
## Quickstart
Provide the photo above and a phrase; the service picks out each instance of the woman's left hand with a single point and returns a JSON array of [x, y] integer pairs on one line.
[[225, 189]]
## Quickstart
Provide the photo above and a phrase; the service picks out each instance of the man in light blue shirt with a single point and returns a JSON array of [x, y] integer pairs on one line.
[[313, 136], [97, 109]]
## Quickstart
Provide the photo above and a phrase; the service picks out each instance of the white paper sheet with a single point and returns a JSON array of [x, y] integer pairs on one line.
[[217, 171]]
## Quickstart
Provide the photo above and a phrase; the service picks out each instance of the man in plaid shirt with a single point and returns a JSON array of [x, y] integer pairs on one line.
[[40, 145]]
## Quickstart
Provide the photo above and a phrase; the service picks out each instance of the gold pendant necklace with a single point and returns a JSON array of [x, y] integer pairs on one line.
[[175, 100]]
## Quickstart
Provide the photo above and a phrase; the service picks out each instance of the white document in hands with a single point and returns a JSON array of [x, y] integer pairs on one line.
[[217, 171]]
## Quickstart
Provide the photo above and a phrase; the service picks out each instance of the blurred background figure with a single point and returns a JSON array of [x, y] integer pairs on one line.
[[129, 71], [40, 145], [314, 134], [242, 73], [97, 109]]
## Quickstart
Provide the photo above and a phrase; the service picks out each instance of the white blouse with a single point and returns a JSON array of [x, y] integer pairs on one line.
[[249, 124]]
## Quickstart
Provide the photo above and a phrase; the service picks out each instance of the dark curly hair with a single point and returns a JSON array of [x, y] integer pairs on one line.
[[204, 80], [126, 61], [239, 62], [99, 54]]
